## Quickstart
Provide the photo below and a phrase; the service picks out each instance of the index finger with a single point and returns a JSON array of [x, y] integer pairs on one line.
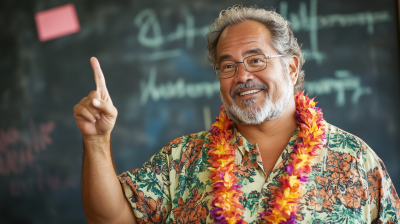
[[98, 74]]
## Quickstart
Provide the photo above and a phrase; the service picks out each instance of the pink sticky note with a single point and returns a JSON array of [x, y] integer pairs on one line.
[[57, 22]]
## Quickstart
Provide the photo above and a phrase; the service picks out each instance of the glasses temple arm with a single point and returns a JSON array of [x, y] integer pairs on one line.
[[274, 56]]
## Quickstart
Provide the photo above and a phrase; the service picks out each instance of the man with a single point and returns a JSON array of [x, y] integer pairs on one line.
[[258, 62]]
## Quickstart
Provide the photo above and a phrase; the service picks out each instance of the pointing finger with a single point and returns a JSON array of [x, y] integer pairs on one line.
[[98, 74]]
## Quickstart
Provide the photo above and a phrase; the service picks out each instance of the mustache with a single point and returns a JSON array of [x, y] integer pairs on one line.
[[248, 84]]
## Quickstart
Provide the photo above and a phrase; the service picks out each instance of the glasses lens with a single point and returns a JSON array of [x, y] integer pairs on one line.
[[226, 69], [256, 63]]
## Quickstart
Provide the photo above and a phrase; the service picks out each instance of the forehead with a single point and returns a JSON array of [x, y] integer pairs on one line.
[[239, 38]]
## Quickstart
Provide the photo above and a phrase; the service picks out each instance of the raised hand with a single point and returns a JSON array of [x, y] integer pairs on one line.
[[95, 114]]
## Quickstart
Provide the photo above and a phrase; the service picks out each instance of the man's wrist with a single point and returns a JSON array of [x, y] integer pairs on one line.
[[97, 144], [97, 139]]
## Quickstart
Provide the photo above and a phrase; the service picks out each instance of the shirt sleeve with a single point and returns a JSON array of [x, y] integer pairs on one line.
[[385, 204], [148, 188]]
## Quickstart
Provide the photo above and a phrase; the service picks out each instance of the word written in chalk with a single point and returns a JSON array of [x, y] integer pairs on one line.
[[17, 153], [175, 90], [343, 81]]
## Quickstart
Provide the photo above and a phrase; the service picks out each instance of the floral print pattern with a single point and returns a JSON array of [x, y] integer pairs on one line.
[[191, 211], [348, 184]]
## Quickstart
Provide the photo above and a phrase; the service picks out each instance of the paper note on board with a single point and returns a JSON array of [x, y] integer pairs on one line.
[[57, 22]]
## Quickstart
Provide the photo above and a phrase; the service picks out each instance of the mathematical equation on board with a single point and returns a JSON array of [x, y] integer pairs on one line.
[[22, 156], [343, 81], [150, 35]]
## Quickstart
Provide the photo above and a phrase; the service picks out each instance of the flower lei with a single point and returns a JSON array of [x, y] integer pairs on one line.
[[226, 205]]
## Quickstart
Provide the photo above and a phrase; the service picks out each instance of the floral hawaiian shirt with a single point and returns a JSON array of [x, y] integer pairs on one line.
[[348, 183]]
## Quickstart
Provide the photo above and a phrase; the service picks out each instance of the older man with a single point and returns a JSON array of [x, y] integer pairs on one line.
[[270, 156]]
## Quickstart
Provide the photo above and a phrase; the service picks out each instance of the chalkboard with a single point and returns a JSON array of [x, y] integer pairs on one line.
[[153, 55]]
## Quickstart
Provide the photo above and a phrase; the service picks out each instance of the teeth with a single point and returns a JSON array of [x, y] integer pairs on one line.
[[250, 92]]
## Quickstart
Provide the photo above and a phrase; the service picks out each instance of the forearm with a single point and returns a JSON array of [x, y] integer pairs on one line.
[[103, 198]]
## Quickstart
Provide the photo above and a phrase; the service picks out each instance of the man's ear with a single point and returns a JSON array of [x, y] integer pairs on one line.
[[293, 68]]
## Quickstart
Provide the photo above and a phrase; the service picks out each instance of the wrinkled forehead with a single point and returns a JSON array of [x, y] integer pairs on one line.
[[249, 34]]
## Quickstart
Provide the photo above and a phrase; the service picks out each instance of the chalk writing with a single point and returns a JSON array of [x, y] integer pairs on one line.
[[14, 158], [312, 22], [207, 117], [171, 90], [150, 32], [40, 142], [15, 162], [163, 55], [147, 22], [343, 81], [20, 153], [8, 138], [301, 20], [42, 181]]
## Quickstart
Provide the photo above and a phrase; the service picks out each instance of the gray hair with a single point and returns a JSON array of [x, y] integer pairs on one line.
[[282, 39]]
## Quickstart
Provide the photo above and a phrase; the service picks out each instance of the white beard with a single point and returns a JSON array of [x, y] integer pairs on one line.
[[256, 115]]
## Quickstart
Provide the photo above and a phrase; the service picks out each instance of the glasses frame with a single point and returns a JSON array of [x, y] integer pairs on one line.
[[236, 67]]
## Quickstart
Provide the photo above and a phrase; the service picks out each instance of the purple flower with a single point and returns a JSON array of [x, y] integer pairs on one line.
[[221, 175], [217, 186], [214, 214], [262, 214], [292, 220], [298, 117], [303, 178], [236, 186], [289, 170]]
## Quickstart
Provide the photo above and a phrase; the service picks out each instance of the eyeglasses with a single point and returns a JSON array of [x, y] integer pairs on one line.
[[255, 63]]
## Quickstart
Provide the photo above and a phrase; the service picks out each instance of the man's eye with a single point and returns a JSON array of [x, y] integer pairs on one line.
[[228, 67], [255, 61]]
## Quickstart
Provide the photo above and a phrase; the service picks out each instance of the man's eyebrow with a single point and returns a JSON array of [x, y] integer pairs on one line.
[[250, 51], [253, 51], [225, 57]]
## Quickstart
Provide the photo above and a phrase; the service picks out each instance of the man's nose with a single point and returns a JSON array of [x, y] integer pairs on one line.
[[242, 75]]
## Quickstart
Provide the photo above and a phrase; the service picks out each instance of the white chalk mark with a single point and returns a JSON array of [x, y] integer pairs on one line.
[[207, 117], [175, 90], [343, 81], [163, 55], [148, 23]]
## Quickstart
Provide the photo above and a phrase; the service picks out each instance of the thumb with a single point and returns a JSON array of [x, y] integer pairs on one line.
[[105, 107]]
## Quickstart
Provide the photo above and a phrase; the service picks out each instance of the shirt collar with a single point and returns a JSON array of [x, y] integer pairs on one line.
[[243, 145]]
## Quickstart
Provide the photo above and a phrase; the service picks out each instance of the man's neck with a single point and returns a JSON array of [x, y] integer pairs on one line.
[[278, 128]]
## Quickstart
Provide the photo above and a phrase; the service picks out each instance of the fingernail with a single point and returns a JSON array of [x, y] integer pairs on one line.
[[97, 116], [94, 120], [96, 102]]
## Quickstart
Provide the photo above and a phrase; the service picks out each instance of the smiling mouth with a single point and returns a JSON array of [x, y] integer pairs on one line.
[[249, 92]]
